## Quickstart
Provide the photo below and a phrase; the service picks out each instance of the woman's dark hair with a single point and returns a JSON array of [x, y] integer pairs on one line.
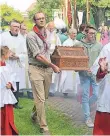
[[63, 30], [34, 17], [89, 27], [82, 27]]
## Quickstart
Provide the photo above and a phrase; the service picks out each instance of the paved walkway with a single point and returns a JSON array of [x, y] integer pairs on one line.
[[69, 106]]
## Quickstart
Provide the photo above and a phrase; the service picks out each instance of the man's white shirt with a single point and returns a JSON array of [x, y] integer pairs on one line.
[[70, 42], [103, 103], [15, 44], [6, 75]]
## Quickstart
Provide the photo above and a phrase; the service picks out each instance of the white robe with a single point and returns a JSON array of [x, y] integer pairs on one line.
[[103, 103], [7, 96], [23, 72], [59, 23], [15, 44], [53, 40], [68, 79]]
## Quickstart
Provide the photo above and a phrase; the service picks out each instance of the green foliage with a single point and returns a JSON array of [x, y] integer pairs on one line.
[[100, 3], [29, 24], [80, 4], [46, 6], [97, 3], [100, 9], [8, 13], [59, 124]]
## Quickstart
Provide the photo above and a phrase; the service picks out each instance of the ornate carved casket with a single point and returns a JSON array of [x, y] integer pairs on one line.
[[70, 58]]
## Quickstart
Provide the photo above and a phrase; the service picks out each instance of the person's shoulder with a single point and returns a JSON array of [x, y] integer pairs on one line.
[[78, 43], [5, 33], [20, 36], [4, 69], [67, 41], [30, 34], [107, 47], [98, 44]]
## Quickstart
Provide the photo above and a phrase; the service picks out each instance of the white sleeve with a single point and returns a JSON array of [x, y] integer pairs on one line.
[[12, 76], [22, 54], [1, 40], [58, 42], [65, 43], [95, 67]]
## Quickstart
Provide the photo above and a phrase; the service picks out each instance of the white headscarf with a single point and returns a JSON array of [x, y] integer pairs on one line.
[[59, 23]]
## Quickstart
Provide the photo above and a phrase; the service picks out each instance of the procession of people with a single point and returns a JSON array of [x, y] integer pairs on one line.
[[25, 62]]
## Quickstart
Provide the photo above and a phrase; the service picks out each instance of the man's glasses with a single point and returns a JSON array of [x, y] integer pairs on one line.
[[43, 18], [16, 26], [23, 29], [92, 33]]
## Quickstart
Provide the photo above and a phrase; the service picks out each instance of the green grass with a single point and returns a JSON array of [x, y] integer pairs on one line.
[[59, 124]]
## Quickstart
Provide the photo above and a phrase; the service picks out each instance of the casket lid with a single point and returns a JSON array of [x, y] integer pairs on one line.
[[70, 58], [68, 51]]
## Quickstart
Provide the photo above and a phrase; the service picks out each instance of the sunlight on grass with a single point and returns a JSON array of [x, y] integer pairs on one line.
[[23, 120], [58, 123]]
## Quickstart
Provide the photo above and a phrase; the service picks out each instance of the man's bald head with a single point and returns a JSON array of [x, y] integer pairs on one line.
[[72, 33], [51, 26]]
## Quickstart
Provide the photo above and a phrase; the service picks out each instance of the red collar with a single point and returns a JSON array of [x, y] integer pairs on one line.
[[37, 31], [2, 63]]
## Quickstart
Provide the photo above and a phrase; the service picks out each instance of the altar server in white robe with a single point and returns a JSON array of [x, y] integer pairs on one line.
[[52, 37], [13, 40], [67, 79], [101, 69], [7, 85], [23, 73], [53, 40]]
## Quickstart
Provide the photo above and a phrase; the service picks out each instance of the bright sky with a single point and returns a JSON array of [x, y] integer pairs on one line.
[[21, 5]]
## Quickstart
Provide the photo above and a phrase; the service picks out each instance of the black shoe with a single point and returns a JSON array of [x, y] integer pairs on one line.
[[51, 94], [17, 107], [44, 132], [34, 117], [41, 130], [65, 94]]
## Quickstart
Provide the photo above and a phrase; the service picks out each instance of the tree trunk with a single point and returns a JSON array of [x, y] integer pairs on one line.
[[99, 16]]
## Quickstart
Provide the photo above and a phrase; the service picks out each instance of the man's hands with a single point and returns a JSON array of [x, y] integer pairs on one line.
[[89, 71], [44, 60], [8, 86], [55, 68], [103, 64], [13, 56]]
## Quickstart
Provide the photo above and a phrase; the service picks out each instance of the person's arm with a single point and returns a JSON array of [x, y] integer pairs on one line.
[[100, 74], [31, 44], [103, 69], [11, 86], [13, 56], [44, 60]]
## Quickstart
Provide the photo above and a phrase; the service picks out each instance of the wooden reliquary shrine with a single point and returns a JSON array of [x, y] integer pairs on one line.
[[70, 58]]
